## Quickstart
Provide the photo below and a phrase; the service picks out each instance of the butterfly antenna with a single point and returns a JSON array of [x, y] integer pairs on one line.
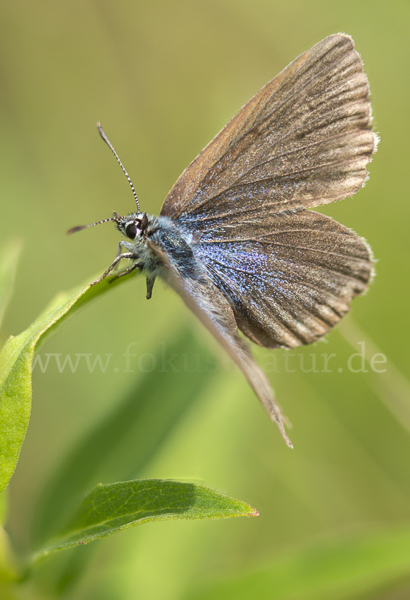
[[111, 147], [81, 227]]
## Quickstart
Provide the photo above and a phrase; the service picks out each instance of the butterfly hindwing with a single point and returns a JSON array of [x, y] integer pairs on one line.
[[212, 308], [290, 278]]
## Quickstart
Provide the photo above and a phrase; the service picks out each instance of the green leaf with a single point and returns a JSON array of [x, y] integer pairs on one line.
[[339, 569], [16, 360], [120, 446], [9, 255], [116, 506]]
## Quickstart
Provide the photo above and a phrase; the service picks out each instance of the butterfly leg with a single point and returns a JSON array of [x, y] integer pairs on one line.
[[133, 267], [120, 247], [114, 264], [124, 246]]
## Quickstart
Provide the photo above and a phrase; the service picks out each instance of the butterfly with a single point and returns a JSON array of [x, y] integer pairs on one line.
[[234, 237]]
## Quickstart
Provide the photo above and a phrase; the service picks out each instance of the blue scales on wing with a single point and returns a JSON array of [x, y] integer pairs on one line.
[[290, 278]]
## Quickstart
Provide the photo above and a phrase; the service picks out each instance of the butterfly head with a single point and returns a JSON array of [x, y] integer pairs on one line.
[[133, 226]]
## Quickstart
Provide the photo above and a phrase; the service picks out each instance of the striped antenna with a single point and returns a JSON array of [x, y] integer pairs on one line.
[[111, 147], [81, 227]]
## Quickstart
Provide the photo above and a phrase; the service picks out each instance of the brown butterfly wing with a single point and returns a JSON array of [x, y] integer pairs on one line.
[[303, 140], [289, 278]]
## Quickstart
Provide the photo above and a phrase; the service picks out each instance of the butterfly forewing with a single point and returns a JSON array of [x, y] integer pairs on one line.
[[303, 140]]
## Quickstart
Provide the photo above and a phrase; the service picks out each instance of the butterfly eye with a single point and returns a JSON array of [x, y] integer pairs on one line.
[[131, 230]]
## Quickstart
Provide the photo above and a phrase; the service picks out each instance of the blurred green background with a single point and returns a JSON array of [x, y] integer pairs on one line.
[[163, 78]]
